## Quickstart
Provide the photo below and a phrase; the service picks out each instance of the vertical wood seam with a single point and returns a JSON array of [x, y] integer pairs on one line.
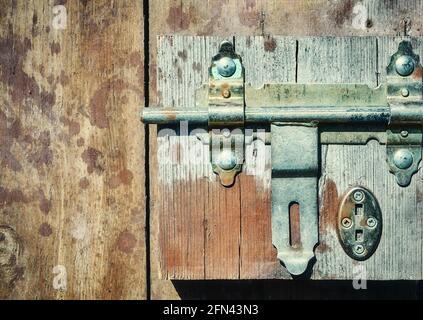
[[146, 148]]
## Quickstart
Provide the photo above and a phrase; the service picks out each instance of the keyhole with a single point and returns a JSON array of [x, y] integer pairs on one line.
[[359, 209], [294, 225]]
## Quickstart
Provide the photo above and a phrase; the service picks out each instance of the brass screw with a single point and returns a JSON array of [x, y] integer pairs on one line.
[[226, 93]]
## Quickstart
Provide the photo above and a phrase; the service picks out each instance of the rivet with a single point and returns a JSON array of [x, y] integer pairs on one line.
[[346, 223], [226, 93], [226, 133], [226, 67], [403, 158], [405, 92], [226, 160], [404, 133], [358, 196], [359, 249], [404, 65], [371, 222]]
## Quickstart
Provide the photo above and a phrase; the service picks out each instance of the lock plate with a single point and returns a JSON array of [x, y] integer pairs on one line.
[[359, 223]]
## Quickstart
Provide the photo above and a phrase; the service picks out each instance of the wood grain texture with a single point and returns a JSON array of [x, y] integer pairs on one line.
[[72, 179], [313, 60], [71, 184], [181, 171], [266, 60], [398, 256], [280, 17], [263, 17]]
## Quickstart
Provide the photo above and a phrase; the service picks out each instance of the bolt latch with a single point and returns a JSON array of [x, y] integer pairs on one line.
[[300, 117]]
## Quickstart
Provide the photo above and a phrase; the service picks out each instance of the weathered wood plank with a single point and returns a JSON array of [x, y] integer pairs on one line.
[[72, 179], [324, 60], [399, 252], [266, 60], [193, 238], [267, 17], [343, 60]]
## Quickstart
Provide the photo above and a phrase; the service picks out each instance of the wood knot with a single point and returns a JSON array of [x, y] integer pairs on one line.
[[10, 250]]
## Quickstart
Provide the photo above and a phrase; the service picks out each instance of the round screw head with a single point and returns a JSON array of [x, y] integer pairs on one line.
[[371, 222], [359, 249], [404, 92], [404, 65], [226, 93], [403, 158], [226, 160], [404, 133], [346, 223], [226, 67], [226, 133], [358, 196]]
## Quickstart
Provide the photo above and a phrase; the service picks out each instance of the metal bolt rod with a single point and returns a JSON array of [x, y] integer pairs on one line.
[[327, 114], [159, 115]]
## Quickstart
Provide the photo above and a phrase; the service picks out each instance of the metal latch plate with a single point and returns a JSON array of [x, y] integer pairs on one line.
[[359, 223]]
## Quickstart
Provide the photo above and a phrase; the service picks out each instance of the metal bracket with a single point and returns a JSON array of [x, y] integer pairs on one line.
[[404, 94], [294, 180], [226, 113], [300, 117]]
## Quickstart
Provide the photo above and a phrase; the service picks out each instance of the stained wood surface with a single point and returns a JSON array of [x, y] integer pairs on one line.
[[264, 17], [72, 211], [267, 60], [94, 53], [399, 255], [227, 232]]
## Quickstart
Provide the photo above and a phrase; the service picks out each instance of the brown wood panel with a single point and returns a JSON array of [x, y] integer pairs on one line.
[[72, 179], [321, 60], [65, 98], [266, 60], [398, 256], [206, 243], [280, 17], [263, 17]]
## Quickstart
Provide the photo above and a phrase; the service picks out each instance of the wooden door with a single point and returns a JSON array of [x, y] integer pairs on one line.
[[80, 195], [207, 231]]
